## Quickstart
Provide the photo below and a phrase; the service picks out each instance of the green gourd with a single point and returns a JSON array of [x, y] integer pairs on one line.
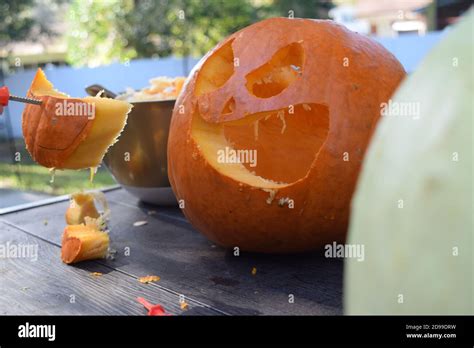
[[413, 206]]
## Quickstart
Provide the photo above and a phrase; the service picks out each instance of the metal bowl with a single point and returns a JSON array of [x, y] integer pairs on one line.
[[138, 160]]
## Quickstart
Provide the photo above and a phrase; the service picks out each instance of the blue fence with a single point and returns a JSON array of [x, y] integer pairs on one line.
[[409, 49]]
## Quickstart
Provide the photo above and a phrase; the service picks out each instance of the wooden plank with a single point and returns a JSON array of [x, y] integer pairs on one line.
[[43, 285], [191, 265]]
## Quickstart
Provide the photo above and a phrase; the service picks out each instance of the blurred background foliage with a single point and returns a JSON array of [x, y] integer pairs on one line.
[[110, 30], [28, 19], [125, 29], [16, 21]]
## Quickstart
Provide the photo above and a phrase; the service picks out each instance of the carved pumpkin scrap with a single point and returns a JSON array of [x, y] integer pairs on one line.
[[82, 205], [70, 133], [301, 98], [85, 237], [84, 242]]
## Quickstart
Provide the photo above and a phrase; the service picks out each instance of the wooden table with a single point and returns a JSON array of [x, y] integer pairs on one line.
[[212, 280]]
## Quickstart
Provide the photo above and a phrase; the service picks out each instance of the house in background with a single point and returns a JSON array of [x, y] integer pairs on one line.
[[392, 18]]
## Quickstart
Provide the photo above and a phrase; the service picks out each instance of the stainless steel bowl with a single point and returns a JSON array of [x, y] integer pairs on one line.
[[138, 160]]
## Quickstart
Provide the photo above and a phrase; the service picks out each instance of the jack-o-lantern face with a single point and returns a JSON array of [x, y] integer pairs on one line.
[[303, 98]]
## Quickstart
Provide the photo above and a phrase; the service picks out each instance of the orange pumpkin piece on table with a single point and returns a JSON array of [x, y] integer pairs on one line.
[[85, 237], [83, 242], [70, 133], [304, 95]]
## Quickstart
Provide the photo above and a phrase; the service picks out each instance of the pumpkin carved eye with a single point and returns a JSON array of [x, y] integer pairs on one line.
[[216, 70], [273, 77]]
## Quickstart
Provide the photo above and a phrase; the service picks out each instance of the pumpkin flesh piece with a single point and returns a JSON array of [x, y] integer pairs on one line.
[[81, 242], [82, 206], [110, 118]]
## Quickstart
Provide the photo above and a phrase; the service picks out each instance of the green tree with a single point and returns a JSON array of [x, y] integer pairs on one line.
[[15, 20], [93, 37], [187, 26], [26, 19], [183, 27], [109, 30]]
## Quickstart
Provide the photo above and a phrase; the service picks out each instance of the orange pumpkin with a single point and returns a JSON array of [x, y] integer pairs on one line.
[[304, 97], [70, 133]]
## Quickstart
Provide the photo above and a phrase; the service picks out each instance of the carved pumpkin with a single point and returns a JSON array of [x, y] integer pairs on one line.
[[306, 95], [78, 136]]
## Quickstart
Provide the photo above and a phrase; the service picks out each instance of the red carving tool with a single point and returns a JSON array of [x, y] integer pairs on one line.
[[5, 97], [152, 309]]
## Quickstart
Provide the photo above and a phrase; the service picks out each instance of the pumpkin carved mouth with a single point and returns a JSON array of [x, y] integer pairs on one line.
[[272, 135]]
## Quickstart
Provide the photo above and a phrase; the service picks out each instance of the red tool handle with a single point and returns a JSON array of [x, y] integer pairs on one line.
[[153, 309], [4, 96]]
